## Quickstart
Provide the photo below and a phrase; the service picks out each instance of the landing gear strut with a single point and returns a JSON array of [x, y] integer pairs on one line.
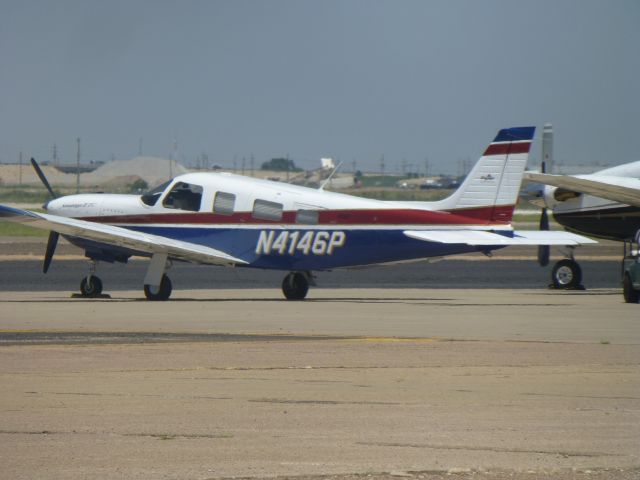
[[295, 286]]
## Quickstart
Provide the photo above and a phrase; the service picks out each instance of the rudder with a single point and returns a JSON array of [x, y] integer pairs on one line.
[[490, 191]]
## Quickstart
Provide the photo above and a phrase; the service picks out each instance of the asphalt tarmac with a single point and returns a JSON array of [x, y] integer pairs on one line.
[[65, 275]]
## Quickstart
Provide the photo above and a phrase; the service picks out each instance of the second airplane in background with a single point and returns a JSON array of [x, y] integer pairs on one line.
[[604, 204]]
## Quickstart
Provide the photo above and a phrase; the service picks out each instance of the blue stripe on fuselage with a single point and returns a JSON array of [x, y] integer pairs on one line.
[[359, 247]]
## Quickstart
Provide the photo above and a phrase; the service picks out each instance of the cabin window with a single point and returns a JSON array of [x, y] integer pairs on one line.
[[264, 210], [307, 217], [223, 203], [184, 196], [151, 197]]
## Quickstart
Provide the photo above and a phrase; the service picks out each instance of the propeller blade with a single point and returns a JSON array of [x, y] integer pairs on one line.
[[51, 248], [544, 220], [543, 255], [42, 178], [543, 250]]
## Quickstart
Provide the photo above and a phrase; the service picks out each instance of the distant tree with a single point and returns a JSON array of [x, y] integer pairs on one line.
[[138, 186], [280, 165]]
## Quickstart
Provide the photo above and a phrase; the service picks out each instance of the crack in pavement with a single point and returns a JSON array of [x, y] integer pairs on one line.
[[600, 397], [161, 436], [489, 449], [320, 402], [131, 395]]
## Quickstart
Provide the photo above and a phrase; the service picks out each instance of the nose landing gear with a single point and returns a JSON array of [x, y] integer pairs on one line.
[[91, 285]]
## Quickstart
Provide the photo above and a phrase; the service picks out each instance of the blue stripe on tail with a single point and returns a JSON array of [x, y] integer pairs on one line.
[[515, 134]]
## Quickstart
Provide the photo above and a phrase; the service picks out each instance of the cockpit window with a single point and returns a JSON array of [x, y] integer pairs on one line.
[[151, 197], [184, 196]]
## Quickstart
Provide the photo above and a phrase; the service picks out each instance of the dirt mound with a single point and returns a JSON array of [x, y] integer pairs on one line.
[[116, 174]]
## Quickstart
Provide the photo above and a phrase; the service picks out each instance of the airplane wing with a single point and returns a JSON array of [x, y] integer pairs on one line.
[[486, 238], [619, 189], [121, 237]]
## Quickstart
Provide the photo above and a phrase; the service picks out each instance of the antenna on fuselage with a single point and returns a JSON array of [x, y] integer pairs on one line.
[[328, 179]]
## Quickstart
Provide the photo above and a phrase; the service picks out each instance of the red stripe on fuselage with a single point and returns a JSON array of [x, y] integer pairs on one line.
[[507, 148], [470, 216]]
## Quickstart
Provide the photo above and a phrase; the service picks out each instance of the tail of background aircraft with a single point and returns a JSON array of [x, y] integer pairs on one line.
[[490, 191]]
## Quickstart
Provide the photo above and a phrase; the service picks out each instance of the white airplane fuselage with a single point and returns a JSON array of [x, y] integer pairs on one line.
[[276, 225]]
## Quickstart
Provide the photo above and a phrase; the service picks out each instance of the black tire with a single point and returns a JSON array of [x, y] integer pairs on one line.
[[160, 293], [91, 286], [295, 286], [631, 295], [566, 274]]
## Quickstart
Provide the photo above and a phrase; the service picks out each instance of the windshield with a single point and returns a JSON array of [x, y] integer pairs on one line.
[[151, 197]]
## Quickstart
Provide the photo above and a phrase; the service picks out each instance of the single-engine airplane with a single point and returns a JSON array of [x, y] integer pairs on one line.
[[605, 204], [226, 219]]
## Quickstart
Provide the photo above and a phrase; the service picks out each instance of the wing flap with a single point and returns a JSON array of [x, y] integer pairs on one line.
[[487, 238], [121, 237]]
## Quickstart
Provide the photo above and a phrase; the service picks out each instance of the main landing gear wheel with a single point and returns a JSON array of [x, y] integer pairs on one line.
[[295, 286], [91, 286], [566, 275], [631, 295], [161, 292]]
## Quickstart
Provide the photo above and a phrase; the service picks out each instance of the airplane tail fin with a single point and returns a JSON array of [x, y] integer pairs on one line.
[[490, 191]]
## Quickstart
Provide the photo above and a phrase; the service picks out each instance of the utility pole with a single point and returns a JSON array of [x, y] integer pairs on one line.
[[287, 168], [252, 163], [20, 171], [55, 155], [78, 166], [382, 164], [172, 158], [426, 166]]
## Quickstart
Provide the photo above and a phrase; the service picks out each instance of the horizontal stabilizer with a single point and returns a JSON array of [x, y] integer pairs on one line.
[[487, 238], [121, 237]]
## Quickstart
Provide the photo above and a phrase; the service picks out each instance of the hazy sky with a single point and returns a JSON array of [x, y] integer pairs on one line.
[[349, 79]]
